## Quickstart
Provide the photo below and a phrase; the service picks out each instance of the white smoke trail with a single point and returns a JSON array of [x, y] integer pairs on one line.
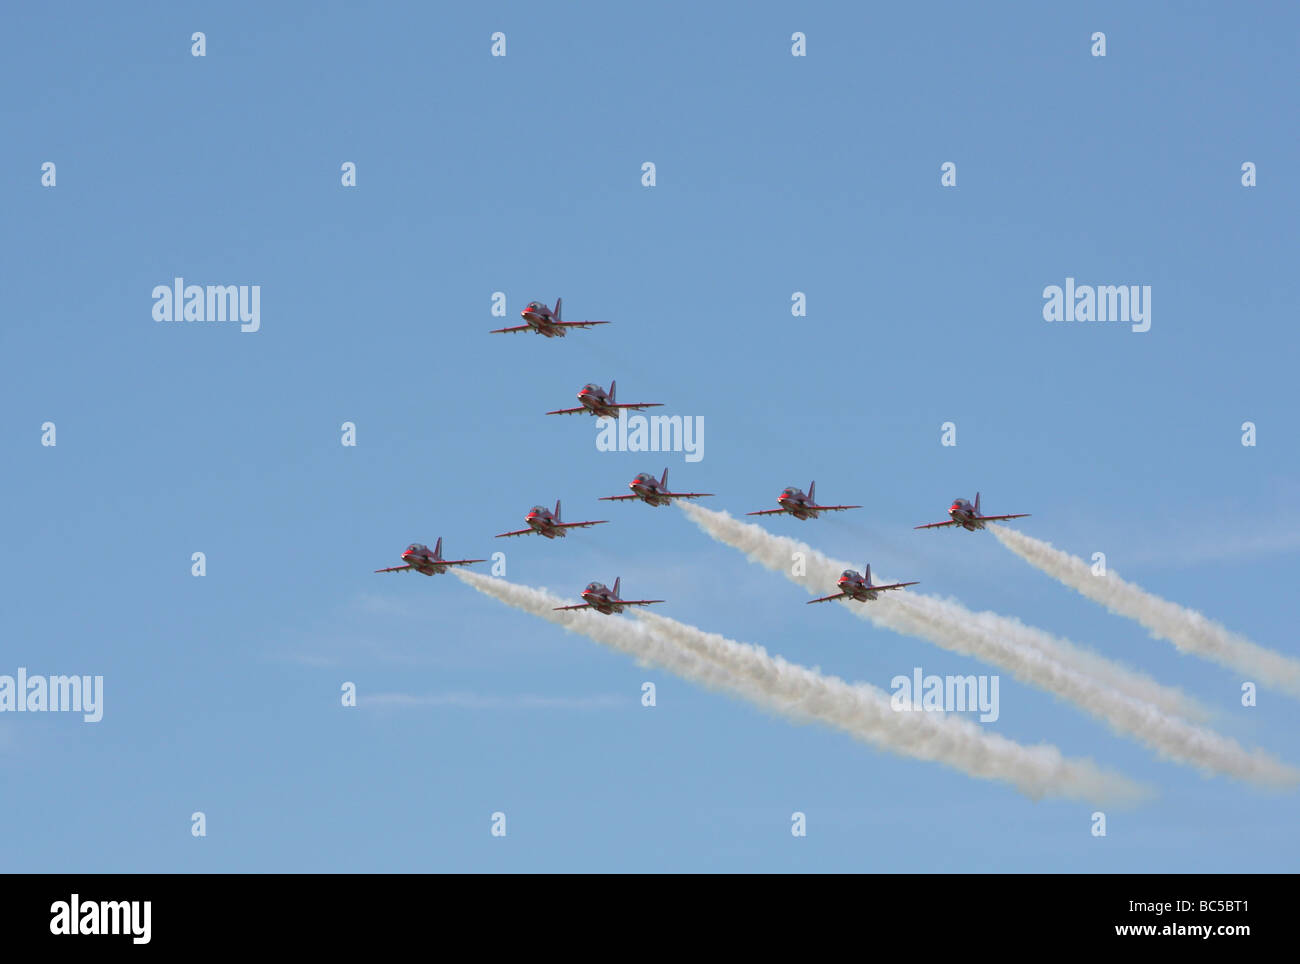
[[1187, 629], [1027, 653], [819, 573], [806, 696]]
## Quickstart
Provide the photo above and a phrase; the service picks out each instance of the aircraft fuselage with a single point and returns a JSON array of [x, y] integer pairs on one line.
[[544, 524], [963, 513], [648, 492]]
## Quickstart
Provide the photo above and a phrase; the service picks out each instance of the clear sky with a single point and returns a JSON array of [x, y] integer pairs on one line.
[[522, 174]]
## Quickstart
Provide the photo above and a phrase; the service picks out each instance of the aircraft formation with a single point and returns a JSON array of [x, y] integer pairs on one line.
[[852, 585]]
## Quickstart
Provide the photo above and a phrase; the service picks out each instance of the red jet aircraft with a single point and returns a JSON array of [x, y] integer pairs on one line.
[[601, 598], [547, 523], [793, 502], [857, 586], [968, 516], [428, 563], [595, 401], [652, 491], [542, 320]]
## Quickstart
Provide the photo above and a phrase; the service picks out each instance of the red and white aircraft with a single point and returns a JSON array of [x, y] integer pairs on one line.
[[542, 320], [793, 502], [428, 563], [601, 598], [857, 586], [596, 402], [547, 523], [968, 516], [652, 491]]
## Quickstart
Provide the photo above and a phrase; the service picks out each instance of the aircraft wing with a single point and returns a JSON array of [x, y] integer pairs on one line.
[[832, 508], [498, 331], [517, 532], [579, 324], [638, 602], [395, 569], [635, 405], [685, 495], [457, 562], [560, 608], [579, 525], [935, 525], [617, 498], [897, 585], [767, 512], [838, 595], [569, 411], [995, 518]]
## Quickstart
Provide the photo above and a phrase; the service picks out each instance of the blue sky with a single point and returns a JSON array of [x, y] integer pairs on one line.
[[522, 174]]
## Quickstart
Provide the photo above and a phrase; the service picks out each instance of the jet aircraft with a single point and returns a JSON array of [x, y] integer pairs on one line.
[[542, 320], [968, 516], [601, 598], [794, 502], [596, 402], [419, 558], [652, 491], [857, 586], [543, 521]]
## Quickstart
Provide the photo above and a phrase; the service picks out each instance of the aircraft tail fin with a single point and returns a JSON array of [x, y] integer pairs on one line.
[[437, 549], [663, 483], [867, 574], [617, 580], [557, 308], [812, 492], [612, 386], [557, 510], [977, 503]]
